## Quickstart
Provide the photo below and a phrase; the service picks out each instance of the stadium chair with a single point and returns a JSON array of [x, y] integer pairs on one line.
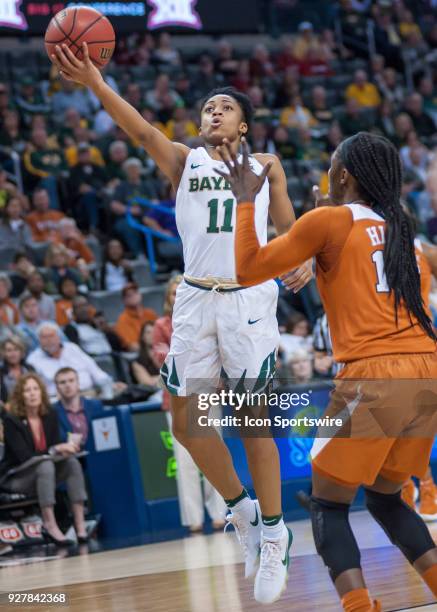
[[153, 297], [142, 274], [96, 248], [110, 302], [107, 364]]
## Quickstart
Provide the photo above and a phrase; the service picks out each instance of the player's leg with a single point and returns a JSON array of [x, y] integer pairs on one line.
[[248, 337], [209, 452], [336, 543]]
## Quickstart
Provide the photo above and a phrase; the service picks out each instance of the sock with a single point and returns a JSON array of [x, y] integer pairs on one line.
[[273, 527], [430, 577], [242, 505], [357, 600]]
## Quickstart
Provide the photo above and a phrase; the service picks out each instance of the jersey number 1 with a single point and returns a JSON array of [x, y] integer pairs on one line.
[[213, 228], [378, 260]]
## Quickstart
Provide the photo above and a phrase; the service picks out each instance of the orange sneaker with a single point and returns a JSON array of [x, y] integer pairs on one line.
[[408, 493], [428, 503]]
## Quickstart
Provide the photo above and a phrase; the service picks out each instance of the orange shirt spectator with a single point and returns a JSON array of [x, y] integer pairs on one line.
[[43, 222], [64, 306], [74, 240], [133, 317]]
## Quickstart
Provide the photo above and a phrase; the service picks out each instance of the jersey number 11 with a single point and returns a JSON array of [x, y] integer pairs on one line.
[[213, 206]]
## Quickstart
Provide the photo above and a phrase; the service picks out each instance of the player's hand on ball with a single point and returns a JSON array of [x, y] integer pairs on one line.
[[73, 69], [245, 184], [298, 278]]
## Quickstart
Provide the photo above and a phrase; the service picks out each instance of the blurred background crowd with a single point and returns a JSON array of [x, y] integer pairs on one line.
[[73, 248]]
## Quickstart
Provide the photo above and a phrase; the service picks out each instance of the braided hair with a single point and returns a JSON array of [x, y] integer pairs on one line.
[[375, 164]]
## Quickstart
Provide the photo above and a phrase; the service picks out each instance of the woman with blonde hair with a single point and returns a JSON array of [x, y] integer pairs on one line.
[[33, 450], [191, 498]]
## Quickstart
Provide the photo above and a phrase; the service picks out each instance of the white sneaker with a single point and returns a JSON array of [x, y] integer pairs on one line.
[[249, 535], [271, 578]]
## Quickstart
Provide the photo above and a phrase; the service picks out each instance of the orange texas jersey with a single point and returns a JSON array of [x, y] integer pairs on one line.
[[348, 243]]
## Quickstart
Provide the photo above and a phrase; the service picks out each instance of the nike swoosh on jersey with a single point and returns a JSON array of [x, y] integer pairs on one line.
[[253, 322], [194, 166]]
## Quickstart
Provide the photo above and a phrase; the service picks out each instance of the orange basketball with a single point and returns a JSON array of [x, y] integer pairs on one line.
[[75, 25]]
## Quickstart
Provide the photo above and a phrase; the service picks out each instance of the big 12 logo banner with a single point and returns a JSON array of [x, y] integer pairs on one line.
[[173, 12], [11, 16]]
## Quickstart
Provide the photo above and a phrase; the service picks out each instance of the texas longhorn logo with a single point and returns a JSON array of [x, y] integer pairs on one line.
[[173, 12], [11, 16]]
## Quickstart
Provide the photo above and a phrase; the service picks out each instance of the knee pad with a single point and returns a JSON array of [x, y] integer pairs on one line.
[[333, 536], [404, 527]]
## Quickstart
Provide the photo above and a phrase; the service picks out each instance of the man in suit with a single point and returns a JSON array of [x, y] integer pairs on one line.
[[75, 412]]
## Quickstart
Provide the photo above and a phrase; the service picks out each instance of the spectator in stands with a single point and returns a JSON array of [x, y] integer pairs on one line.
[[191, 499], [45, 163], [144, 368], [59, 264], [296, 115], [29, 100], [181, 123], [134, 96], [13, 352], [53, 355], [82, 330], [364, 92], [296, 336], [9, 190], [354, 118], [164, 52], [300, 366], [21, 268], [226, 64], [319, 107], [133, 187], [46, 304], [285, 147], [11, 134], [118, 153], [428, 91], [207, 79], [9, 314], [75, 413], [390, 88], [261, 64], [30, 319], [87, 180], [241, 79], [162, 97], [78, 250], [116, 270], [32, 430], [403, 126], [305, 40], [68, 290], [71, 96], [15, 234], [43, 222], [423, 123], [82, 136], [259, 138], [133, 317], [385, 123], [99, 321]]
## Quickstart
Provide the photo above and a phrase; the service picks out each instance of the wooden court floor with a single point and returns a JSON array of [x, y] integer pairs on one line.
[[205, 574]]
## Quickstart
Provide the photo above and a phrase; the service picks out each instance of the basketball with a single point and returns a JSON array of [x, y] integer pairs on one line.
[[75, 25]]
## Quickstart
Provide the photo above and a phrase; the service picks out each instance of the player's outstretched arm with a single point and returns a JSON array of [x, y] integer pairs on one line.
[[256, 264], [170, 157]]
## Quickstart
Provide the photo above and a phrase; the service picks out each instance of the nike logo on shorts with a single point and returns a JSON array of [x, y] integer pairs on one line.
[[253, 322]]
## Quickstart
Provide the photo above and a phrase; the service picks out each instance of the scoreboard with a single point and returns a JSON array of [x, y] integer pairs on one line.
[[33, 16]]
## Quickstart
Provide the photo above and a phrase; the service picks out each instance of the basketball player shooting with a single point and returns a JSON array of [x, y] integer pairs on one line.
[[216, 323]]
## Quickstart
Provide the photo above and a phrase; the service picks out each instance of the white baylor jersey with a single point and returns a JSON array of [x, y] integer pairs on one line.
[[206, 215]]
